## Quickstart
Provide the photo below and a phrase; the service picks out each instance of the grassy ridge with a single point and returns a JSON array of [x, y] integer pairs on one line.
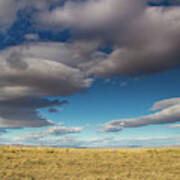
[[40, 163]]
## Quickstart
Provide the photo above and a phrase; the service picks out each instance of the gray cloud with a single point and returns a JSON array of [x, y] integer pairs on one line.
[[145, 39], [54, 110], [23, 112], [25, 79], [33, 71], [165, 104], [15, 60], [7, 13], [151, 45], [9, 9], [167, 114], [44, 74], [105, 14]]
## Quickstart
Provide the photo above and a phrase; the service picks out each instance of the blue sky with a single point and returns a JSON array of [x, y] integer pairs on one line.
[[70, 77]]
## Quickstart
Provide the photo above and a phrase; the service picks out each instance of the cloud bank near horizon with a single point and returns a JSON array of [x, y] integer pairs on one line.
[[74, 141]]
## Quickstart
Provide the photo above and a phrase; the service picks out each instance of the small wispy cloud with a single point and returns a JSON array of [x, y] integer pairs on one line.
[[55, 110], [123, 84], [31, 37]]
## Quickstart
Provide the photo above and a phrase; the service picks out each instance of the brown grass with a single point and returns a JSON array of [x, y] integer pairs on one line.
[[40, 163]]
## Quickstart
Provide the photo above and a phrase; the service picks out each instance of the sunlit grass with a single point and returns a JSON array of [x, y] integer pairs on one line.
[[42, 163]]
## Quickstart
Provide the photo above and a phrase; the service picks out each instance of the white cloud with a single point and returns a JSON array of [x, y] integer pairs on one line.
[[165, 104], [54, 131], [31, 37], [75, 141], [133, 142], [123, 84], [92, 15]]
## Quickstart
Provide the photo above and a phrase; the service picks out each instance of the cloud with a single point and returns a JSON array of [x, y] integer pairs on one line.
[[28, 74], [168, 113], [54, 110], [31, 37], [144, 141], [174, 126], [64, 141], [15, 60], [145, 39], [123, 84], [151, 45], [10, 8], [133, 142], [165, 104], [105, 13], [75, 141], [72, 54], [43, 71], [7, 13], [54, 131], [23, 112]]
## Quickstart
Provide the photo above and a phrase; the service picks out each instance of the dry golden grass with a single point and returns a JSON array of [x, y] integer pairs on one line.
[[40, 163]]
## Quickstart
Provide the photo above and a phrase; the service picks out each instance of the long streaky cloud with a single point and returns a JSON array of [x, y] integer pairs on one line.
[[54, 131], [169, 113]]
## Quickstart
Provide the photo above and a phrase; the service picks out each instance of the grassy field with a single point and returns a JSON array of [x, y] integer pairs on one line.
[[42, 163]]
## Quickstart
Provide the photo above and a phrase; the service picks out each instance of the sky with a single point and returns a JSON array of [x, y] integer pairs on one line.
[[90, 73]]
